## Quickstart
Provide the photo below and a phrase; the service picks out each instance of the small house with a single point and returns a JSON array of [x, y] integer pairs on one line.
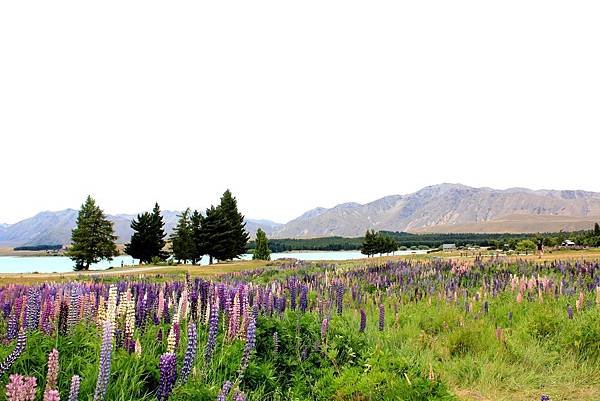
[[448, 247], [568, 243]]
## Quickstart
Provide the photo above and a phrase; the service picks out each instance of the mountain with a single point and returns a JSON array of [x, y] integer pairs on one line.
[[49, 228], [437, 208], [453, 208]]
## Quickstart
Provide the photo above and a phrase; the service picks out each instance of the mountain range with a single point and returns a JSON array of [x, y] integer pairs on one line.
[[437, 208], [49, 228]]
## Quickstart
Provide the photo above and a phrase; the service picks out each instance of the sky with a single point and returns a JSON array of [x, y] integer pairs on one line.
[[291, 105]]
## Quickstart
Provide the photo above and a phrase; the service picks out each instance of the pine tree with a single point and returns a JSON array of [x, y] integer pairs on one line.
[[93, 238], [386, 244], [262, 251], [215, 235], [148, 239], [233, 223], [369, 246], [199, 249], [182, 240], [596, 230]]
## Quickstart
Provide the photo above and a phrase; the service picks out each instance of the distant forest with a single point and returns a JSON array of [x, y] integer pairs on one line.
[[431, 241], [39, 248]]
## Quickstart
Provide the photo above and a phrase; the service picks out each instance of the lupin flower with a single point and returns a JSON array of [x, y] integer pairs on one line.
[[303, 298], [21, 388], [324, 326], [363, 321], [222, 396], [381, 317], [339, 298], [570, 312], [239, 396], [51, 395], [105, 361], [12, 327], [73, 309], [52, 376], [63, 318], [580, 301], [190, 352], [34, 299], [172, 339], [545, 397], [250, 343], [275, 342], [212, 333], [137, 348], [16, 353], [168, 375], [74, 391]]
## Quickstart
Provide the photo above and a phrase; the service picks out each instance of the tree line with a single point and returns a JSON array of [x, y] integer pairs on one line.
[[378, 243], [219, 233]]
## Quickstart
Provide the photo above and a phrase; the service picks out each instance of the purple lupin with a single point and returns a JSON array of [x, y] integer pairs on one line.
[[250, 343], [74, 391], [222, 396], [363, 321], [212, 333], [15, 354], [105, 360], [168, 375], [381, 317], [190, 352]]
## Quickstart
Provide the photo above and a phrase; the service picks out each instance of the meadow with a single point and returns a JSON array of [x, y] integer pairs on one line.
[[400, 329]]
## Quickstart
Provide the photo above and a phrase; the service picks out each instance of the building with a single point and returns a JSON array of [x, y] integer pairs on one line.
[[568, 243], [448, 247]]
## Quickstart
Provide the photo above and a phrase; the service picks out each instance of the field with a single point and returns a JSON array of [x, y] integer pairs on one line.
[[447, 327]]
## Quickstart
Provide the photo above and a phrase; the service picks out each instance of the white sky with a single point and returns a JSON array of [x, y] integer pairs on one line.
[[292, 105]]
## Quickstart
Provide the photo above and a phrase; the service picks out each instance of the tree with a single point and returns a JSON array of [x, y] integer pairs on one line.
[[93, 238], [596, 230], [182, 240], [233, 223], [262, 251], [214, 235], [199, 249], [525, 245], [148, 239], [386, 244], [369, 246]]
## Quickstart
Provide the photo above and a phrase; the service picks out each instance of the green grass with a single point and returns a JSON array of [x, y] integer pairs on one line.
[[431, 349]]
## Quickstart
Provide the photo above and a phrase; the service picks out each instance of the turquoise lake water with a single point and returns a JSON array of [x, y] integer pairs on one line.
[[62, 264]]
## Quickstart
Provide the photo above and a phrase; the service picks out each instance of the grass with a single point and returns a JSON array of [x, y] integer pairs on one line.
[[432, 348]]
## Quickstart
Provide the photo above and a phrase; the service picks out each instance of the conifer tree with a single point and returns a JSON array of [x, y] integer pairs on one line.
[[93, 238], [148, 239], [262, 251], [369, 246], [199, 249], [182, 240], [214, 235], [233, 223]]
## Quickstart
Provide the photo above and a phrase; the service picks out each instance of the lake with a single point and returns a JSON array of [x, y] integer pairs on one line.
[[62, 264]]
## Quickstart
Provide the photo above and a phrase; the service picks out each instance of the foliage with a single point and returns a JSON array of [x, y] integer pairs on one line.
[[377, 242], [182, 240], [262, 251], [497, 328], [148, 239], [93, 238], [38, 248]]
